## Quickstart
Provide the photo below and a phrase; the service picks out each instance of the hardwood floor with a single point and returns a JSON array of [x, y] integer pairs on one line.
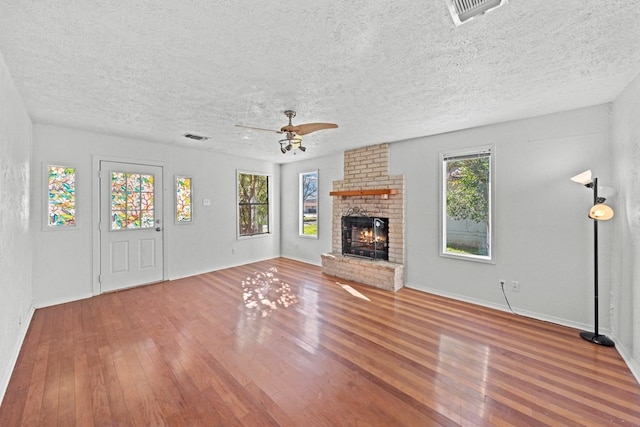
[[278, 343]]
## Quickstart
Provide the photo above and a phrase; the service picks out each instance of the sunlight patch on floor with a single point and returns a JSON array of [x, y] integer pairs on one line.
[[264, 292], [352, 291]]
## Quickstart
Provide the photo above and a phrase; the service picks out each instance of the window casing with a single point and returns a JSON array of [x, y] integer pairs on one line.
[[254, 210], [308, 212], [467, 205]]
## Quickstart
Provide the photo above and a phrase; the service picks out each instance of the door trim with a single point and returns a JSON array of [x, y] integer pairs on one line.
[[95, 214]]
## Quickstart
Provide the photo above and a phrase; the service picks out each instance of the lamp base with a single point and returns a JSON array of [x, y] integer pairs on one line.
[[597, 339]]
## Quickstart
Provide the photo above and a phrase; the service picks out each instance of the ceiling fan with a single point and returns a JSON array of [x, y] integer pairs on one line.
[[293, 133]]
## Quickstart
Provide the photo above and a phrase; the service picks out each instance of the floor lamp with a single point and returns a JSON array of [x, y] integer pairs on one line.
[[598, 212]]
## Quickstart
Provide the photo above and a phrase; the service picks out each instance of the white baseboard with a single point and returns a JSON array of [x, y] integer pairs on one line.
[[22, 334], [504, 307], [62, 300], [633, 364], [220, 267], [306, 261]]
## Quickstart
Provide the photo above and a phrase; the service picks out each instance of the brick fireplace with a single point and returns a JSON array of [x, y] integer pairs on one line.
[[368, 188]]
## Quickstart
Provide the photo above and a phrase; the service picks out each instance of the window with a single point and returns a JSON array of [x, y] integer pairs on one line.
[[309, 204], [132, 204], [184, 209], [467, 205], [253, 204], [61, 204]]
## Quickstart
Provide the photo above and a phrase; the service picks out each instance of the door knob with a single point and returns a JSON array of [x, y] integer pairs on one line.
[[158, 229]]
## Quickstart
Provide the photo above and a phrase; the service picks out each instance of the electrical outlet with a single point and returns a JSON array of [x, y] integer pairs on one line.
[[514, 286]]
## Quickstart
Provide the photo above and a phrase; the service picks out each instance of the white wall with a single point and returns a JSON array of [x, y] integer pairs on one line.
[[15, 242], [626, 272], [330, 168], [543, 237], [64, 269]]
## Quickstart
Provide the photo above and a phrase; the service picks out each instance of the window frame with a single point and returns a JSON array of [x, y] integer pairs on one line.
[[301, 204], [269, 204], [47, 226], [445, 156], [176, 179]]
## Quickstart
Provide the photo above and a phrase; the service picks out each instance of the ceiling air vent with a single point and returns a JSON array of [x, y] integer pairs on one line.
[[464, 10], [196, 137]]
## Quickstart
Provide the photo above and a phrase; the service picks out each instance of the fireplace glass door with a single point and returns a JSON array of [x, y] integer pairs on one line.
[[365, 237]]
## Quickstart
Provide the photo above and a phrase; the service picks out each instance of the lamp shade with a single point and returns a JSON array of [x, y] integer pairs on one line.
[[601, 212], [584, 178]]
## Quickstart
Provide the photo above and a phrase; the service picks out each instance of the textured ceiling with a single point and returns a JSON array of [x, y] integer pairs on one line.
[[383, 71]]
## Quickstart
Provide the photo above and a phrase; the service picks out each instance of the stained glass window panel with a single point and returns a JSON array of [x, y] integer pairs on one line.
[[146, 201], [132, 204], [183, 199], [146, 219], [146, 182], [119, 182], [133, 219], [119, 201], [133, 201], [119, 220], [133, 183], [62, 196]]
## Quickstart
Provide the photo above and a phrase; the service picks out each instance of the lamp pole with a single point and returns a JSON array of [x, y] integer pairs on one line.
[[595, 336]]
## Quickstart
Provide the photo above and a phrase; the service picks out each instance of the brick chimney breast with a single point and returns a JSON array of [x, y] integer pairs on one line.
[[367, 168]]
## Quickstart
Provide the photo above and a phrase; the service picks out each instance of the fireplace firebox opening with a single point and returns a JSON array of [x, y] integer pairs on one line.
[[365, 237]]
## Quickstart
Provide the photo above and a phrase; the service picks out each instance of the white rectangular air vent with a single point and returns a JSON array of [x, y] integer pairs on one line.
[[464, 10]]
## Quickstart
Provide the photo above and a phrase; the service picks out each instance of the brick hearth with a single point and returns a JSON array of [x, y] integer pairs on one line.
[[367, 169]]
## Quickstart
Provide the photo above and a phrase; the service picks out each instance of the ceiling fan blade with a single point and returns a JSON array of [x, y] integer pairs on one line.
[[263, 129], [308, 128]]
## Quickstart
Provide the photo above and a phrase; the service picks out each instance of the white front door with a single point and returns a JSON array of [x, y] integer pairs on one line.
[[131, 227]]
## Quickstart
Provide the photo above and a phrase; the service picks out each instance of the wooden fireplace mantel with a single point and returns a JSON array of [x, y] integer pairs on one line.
[[355, 193]]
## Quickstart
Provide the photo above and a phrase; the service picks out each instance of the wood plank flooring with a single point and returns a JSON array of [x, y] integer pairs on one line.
[[277, 343]]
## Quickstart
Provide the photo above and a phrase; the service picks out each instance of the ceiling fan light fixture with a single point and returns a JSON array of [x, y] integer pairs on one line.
[[293, 133]]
